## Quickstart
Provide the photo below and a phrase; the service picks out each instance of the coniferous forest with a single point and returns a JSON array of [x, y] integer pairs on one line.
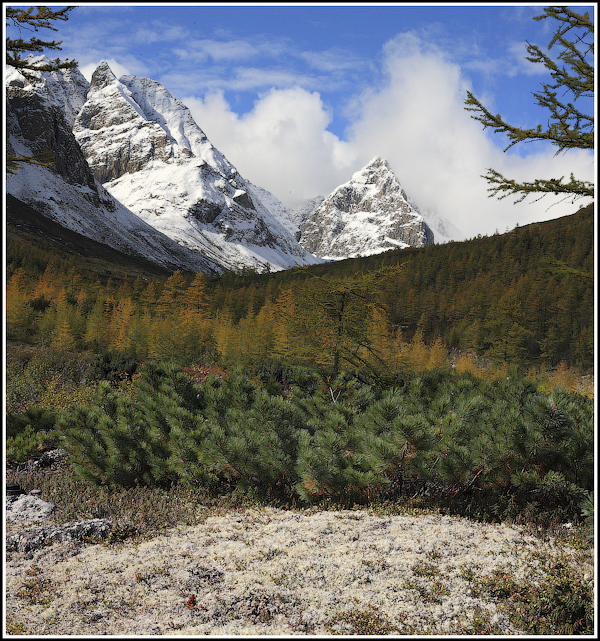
[[357, 378], [524, 297]]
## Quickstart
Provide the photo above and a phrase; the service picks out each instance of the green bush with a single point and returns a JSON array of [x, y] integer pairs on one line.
[[125, 439], [171, 429], [314, 437], [28, 434], [560, 604], [113, 366], [30, 375]]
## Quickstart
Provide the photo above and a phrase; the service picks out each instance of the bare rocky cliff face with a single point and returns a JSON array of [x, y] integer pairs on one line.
[[42, 127], [40, 115], [133, 170], [367, 215], [114, 136]]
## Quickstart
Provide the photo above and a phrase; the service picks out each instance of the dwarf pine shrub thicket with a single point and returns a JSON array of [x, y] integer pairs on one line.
[[314, 438], [29, 432]]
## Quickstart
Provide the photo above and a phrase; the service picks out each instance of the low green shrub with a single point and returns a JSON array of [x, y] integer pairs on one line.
[[362, 622], [30, 433], [138, 511], [496, 446]]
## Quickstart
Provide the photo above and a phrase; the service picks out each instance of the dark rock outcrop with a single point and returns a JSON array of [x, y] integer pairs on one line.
[[43, 127]]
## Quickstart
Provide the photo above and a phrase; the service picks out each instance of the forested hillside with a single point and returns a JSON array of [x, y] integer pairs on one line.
[[521, 297]]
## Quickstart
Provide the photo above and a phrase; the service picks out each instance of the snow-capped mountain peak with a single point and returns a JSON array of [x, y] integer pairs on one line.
[[66, 192], [149, 153], [102, 77], [367, 215], [173, 116], [127, 147]]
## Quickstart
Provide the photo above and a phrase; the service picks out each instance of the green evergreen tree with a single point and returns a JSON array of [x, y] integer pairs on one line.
[[332, 460], [138, 439], [342, 309], [568, 126], [397, 438]]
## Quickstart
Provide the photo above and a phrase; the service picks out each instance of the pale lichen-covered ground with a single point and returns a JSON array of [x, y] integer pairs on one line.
[[273, 572]]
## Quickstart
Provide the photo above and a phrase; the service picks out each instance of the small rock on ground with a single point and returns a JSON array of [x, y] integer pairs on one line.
[[27, 507]]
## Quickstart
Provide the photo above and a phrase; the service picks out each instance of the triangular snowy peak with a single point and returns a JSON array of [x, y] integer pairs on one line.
[[367, 215]]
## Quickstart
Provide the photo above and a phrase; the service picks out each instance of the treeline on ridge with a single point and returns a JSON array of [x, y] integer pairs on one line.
[[521, 297]]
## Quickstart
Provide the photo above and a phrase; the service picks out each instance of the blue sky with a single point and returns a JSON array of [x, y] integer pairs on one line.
[[300, 97]]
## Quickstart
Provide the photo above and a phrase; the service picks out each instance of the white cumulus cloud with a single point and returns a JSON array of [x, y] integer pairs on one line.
[[282, 144], [415, 118]]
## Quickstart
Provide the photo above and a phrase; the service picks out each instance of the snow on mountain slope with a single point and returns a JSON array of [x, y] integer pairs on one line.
[[275, 207], [173, 116], [146, 149], [67, 88], [367, 215], [299, 213], [108, 222], [156, 164], [66, 191]]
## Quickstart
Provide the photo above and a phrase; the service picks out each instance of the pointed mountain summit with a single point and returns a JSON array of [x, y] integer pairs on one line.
[[102, 77], [367, 215], [146, 149]]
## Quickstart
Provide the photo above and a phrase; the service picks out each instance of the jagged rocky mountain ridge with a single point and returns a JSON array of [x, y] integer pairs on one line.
[[367, 215], [133, 154], [145, 147], [39, 117], [212, 219]]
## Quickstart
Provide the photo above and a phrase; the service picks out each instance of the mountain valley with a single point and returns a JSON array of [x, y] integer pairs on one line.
[[137, 192]]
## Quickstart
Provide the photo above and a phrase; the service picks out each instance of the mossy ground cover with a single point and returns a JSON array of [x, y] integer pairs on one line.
[[255, 569]]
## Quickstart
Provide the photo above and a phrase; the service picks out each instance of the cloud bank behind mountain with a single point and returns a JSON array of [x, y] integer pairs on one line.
[[415, 118]]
